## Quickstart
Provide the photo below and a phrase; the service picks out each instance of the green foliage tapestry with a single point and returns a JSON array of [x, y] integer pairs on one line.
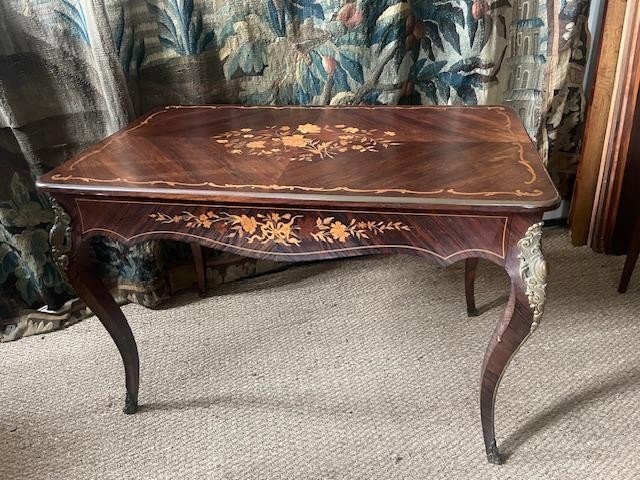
[[74, 71]]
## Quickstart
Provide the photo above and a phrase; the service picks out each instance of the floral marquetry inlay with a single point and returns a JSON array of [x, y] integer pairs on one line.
[[306, 142], [263, 228], [330, 230], [282, 228]]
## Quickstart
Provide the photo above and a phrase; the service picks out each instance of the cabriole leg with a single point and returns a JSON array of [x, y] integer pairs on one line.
[[470, 268], [527, 270], [632, 258], [197, 251], [90, 288]]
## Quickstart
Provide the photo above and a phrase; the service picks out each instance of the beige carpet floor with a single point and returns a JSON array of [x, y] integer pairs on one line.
[[360, 369]]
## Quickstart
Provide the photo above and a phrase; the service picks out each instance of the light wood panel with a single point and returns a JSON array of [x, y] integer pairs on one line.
[[618, 136], [596, 123]]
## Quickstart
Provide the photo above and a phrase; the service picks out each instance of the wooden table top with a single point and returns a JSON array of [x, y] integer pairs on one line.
[[417, 155]]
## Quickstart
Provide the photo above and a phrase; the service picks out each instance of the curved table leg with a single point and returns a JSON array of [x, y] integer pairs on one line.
[[470, 268], [527, 270], [97, 297], [197, 251], [632, 258]]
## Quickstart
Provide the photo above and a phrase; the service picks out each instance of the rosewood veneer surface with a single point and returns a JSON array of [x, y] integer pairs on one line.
[[310, 183], [422, 156]]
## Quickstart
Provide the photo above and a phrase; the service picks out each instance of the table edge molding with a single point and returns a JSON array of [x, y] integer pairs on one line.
[[519, 192]]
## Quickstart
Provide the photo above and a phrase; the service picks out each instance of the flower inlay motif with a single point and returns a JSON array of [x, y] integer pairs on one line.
[[282, 228], [263, 228], [306, 142], [329, 230]]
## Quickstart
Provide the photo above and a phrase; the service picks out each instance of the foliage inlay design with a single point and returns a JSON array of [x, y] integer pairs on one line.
[[329, 230], [306, 142], [281, 229], [263, 228], [533, 270]]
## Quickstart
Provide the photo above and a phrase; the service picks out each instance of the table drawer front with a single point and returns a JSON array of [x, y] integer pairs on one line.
[[281, 233]]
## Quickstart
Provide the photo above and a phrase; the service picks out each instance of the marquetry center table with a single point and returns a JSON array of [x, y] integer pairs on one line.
[[311, 183]]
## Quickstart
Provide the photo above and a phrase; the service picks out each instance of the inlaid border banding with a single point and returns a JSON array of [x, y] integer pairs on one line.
[[519, 193], [292, 188]]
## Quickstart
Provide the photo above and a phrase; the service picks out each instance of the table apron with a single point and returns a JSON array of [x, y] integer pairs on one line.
[[298, 234]]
